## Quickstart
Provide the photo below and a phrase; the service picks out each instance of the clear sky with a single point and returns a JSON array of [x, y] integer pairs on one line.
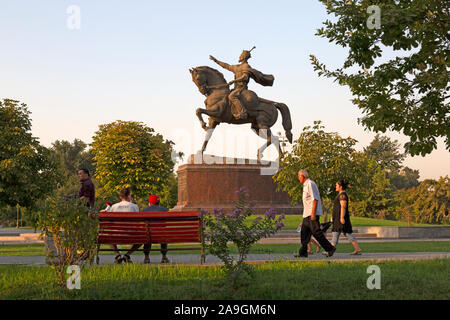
[[129, 60]]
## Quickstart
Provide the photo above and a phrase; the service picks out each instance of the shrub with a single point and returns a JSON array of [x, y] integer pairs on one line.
[[234, 227], [73, 231]]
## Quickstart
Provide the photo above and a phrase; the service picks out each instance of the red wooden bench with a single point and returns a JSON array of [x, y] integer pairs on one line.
[[151, 227]]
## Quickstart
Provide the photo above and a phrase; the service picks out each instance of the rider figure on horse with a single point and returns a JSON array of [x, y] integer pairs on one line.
[[242, 74]]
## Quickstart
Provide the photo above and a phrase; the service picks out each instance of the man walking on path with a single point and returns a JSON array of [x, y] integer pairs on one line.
[[312, 210]]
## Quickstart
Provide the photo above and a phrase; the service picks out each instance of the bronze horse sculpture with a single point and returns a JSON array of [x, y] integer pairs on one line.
[[262, 113]]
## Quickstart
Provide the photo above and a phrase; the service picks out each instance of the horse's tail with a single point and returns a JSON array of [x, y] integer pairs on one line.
[[286, 116]]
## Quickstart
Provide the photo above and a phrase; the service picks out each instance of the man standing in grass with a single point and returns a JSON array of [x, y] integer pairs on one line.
[[312, 210]]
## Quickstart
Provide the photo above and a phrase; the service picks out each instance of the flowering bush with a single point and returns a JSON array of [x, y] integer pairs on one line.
[[224, 228]]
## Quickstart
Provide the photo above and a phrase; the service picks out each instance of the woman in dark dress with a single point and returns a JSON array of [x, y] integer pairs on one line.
[[341, 218]]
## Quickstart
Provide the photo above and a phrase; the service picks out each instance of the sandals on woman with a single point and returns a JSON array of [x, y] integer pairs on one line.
[[356, 253]]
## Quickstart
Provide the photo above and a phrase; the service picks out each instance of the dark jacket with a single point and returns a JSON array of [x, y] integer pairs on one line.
[[154, 208], [87, 190]]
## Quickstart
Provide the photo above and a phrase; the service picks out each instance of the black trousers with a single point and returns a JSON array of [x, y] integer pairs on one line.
[[312, 228], [147, 248]]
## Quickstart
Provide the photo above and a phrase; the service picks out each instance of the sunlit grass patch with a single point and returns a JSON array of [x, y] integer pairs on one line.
[[273, 280]]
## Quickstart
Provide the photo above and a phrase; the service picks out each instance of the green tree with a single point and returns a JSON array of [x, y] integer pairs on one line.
[[408, 93], [386, 153], [370, 192], [169, 196], [27, 171], [130, 154], [407, 178], [325, 155], [427, 203], [70, 157]]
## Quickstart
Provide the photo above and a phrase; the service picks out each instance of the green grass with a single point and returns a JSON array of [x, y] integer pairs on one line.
[[275, 280], [14, 227], [292, 221], [409, 246], [22, 250]]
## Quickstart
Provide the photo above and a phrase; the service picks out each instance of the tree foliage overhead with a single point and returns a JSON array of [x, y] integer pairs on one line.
[[408, 93], [130, 154], [27, 171]]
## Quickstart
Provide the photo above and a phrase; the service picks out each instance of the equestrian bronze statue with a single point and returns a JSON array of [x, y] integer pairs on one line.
[[240, 105]]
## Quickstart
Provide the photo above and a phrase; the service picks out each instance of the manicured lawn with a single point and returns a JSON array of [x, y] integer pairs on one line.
[[413, 246], [292, 221], [275, 280], [410, 246], [22, 250]]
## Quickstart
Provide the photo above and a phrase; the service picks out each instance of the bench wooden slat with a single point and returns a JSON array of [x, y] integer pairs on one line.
[[175, 224], [127, 232], [123, 228], [168, 237], [156, 230], [174, 234], [145, 215], [177, 240], [124, 240], [123, 224]]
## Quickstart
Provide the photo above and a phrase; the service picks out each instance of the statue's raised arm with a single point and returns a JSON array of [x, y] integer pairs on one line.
[[220, 63]]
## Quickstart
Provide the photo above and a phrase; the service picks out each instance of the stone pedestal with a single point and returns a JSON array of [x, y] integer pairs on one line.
[[210, 182]]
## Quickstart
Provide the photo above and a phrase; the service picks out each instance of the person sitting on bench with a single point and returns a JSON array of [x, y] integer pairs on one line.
[[124, 206], [153, 206]]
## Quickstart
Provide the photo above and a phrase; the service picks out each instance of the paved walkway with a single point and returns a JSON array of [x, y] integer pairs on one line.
[[256, 258], [360, 240], [276, 240]]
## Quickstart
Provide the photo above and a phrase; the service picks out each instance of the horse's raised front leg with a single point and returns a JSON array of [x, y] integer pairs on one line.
[[199, 113]]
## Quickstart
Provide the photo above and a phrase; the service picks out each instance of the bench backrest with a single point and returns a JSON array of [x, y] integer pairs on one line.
[[149, 227]]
